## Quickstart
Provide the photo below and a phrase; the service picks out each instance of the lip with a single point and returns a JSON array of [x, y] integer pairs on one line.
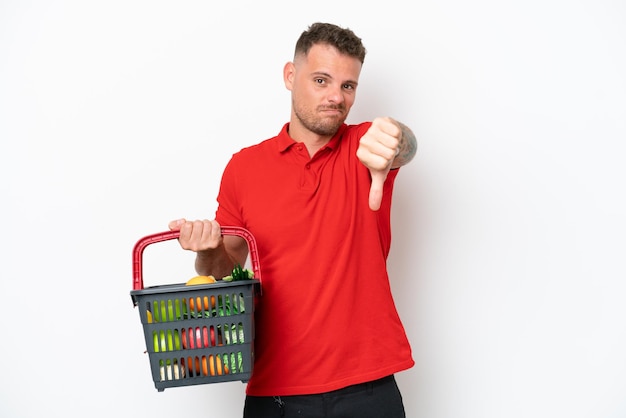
[[332, 112]]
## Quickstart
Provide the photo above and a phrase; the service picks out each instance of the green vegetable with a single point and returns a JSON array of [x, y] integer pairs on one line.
[[235, 364], [240, 273], [235, 334]]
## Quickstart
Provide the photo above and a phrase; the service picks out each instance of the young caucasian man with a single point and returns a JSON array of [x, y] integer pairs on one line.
[[317, 198]]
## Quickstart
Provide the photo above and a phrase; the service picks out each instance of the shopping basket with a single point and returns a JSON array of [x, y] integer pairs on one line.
[[202, 333]]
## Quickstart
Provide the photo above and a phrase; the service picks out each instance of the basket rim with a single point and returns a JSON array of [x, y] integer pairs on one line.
[[182, 287]]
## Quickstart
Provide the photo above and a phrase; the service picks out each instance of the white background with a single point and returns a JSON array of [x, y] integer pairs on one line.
[[509, 226]]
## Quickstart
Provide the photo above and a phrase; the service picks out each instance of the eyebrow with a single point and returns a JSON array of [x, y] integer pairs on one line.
[[326, 75]]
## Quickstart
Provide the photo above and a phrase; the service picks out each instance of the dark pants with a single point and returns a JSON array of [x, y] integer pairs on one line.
[[378, 399]]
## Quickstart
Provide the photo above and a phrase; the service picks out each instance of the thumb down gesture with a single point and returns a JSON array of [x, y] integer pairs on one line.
[[387, 144]]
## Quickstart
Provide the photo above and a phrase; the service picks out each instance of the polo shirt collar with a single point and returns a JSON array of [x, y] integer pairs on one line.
[[285, 141]]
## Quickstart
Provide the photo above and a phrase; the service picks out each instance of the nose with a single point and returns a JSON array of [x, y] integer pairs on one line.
[[335, 95]]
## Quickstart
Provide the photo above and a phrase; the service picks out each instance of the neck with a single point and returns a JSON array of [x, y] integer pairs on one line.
[[312, 141]]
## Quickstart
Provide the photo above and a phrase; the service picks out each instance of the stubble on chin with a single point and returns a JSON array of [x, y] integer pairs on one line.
[[323, 126]]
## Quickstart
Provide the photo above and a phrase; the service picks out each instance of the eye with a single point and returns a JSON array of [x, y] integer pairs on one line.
[[319, 81], [348, 86]]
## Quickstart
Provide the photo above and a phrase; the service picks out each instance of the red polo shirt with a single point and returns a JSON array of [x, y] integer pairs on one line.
[[326, 318]]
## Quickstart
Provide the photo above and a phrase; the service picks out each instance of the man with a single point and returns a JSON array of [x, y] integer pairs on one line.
[[317, 198]]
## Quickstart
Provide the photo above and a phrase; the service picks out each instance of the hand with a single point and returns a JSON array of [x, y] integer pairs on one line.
[[197, 235], [377, 150]]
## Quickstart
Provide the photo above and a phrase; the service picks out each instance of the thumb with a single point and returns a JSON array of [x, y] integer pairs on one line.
[[175, 225], [376, 189]]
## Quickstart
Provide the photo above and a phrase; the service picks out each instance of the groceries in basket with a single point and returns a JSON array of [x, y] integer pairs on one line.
[[202, 330]]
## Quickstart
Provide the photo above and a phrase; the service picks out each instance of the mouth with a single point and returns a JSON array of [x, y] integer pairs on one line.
[[332, 111]]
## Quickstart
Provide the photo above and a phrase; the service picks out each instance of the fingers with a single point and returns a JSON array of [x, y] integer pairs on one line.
[[198, 235], [175, 225], [206, 232], [380, 144], [387, 134]]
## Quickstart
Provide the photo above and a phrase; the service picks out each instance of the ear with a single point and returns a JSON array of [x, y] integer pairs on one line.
[[289, 72]]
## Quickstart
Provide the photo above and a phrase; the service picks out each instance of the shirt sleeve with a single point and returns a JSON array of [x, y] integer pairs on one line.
[[228, 212]]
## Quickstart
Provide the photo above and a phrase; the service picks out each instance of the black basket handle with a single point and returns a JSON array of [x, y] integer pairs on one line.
[[141, 245]]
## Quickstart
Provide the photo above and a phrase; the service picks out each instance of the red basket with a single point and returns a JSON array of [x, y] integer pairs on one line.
[[202, 333]]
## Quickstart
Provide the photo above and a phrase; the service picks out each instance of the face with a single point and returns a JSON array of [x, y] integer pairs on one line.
[[323, 88]]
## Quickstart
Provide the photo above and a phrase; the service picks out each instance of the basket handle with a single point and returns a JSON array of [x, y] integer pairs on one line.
[[141, 245]]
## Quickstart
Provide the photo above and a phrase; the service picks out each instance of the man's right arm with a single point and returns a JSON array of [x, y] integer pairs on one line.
[[215, 254]]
